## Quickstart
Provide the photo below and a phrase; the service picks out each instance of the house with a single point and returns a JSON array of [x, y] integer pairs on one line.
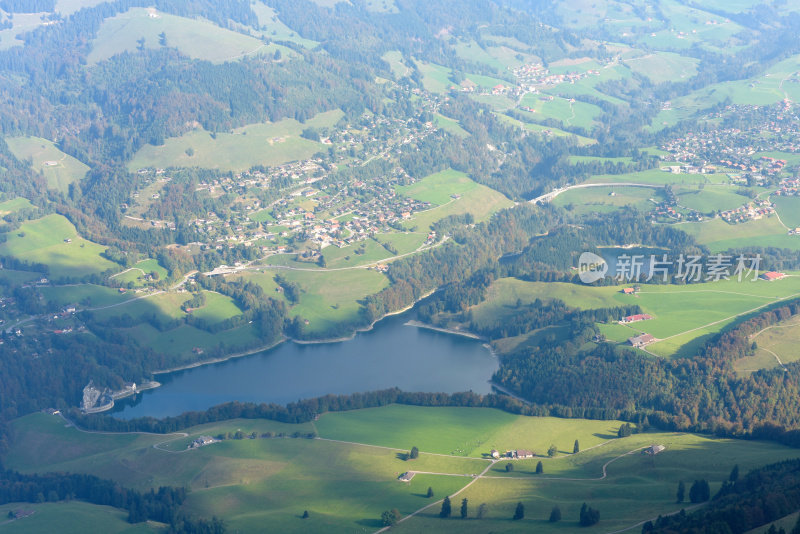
[[201, 441], [652, 450], [522, 453], [641, 340], [771, 276], [495, 453], [628, 290], [636, 318], [406, 477]]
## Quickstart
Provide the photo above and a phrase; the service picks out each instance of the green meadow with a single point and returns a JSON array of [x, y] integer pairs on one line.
[[442, 188], [180, 343], [396, 63], [606, 199], [346, 484], [73, 517], [545, 130], [58, 168], [450, 125], [570, 113], [268, 143], [788, 209], [15, 204], [274, 29], [139, 271], [777, 342], [663, 66], [199, 39], [720, 236], [684, 315], [84, 295], [327, 298], [45, 241]]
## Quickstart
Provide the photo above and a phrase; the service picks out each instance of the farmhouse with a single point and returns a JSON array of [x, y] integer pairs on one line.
[[652, 450], [201, 441], [522, 453], [641, 341], [772, 276], [406, 477], [495, 453], [636, 318]]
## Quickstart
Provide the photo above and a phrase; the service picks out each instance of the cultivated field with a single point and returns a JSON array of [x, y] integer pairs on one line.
[[58, 168], [268, 143]]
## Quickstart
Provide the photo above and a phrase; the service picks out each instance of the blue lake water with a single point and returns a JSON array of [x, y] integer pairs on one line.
[[392, 354]]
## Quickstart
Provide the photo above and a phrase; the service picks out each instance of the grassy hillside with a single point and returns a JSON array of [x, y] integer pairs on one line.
[[58, 168], [268, 143], [196, 38], [45, 241], [345, 485]]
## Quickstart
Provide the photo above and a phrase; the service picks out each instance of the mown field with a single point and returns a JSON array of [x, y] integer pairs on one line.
[[14, 205], [44, 241], [199, 39], [607, 199], [268, 143], [719, 235], [684, 316], [58, 168], [345, 485]]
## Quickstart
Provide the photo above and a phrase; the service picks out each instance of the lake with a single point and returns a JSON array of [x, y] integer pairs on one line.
[[392, 354]]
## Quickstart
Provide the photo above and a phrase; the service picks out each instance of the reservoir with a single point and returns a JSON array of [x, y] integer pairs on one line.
[[392, 354]]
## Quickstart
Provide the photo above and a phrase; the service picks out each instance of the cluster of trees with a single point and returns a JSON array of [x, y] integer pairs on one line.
[[758, 498], [163, 505]]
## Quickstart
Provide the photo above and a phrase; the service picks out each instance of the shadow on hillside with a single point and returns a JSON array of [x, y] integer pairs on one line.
[[371, 523]]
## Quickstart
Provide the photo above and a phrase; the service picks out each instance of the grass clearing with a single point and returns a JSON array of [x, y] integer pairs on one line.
[[778, 342], [663, 66], [274, 29], [607, 199], [58, 168], [53, 241], [441, 188], [450, 125], [788, 209], [717, 234], [84, 295], [267, 143], [14, 205], [197, 38]]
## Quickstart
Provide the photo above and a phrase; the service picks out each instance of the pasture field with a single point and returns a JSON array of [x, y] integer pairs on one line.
[[684, 315], [17, 278], [450, 125], [15, 204], [218, 307], [766, 232], [345, 485], [274, 29], [637, 487], [267, 143], [474, 198], [361, 253], [710, 199], [570, 113], [74, 517], [44, 241], [472, 51], [606, 199], [196, 38], [659, 177], [180, 342], [395, 60], [162, 306], [498, 103], [661, 67], [58, 168], [85, 295], [777, 342], [435, 78], [22, 23], [438, 188], [140, 269], [545, 130], [788, 209], [327, 298]]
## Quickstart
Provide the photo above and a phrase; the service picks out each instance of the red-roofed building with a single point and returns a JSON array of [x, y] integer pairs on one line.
[[636, 318], [772, 276]]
